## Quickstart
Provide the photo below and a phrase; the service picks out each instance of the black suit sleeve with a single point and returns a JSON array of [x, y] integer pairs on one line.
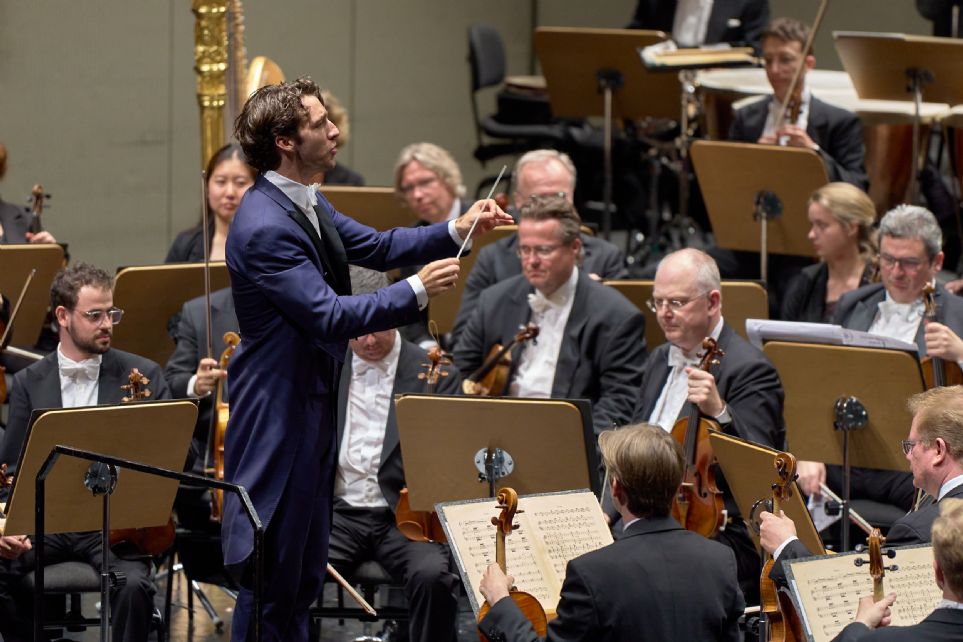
[[844, 153], [621, 368], [756, 404], [17, 420], [852, 633], [796, 299], [158, 384], [905, 532], [482, 275], [793, 550], [469, 353], [187, 355]]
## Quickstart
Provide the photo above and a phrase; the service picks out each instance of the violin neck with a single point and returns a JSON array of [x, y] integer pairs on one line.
[[491, 362], [500, 551], [877, 589], [691, 434]]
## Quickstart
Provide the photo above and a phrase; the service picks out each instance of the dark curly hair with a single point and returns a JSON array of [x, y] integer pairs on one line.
[[272, 111], [68, 282]]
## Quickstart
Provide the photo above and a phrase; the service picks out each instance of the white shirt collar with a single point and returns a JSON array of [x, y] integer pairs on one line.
[[565, 292], [63, 359], [304, 196], [949, 485]]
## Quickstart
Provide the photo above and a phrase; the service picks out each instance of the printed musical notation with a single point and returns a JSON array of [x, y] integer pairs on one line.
[[828, 589], [551, 529]]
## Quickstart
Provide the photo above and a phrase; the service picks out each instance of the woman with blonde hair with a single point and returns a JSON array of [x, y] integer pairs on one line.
[[841, 218]]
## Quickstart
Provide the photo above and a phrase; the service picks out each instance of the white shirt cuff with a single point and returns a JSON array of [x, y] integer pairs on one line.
[[453, 233], [190, 388], [724, 417], [776, 553], [419, 288]]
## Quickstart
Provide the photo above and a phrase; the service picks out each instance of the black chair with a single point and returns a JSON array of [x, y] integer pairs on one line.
[[369, 577], [522, 123]]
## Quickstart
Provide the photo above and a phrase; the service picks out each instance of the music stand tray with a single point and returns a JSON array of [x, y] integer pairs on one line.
[[377, 207], [550, 442], [16, 261]]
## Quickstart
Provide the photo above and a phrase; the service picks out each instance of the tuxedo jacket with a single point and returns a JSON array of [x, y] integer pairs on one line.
[[857, 309], [805, 299], [15, 222], [188, 245], [38, 386], [499, 261], [838, 133], [295, 314], [733, 21], [602, 355], [942, 625], [411, 360], [639, 588]]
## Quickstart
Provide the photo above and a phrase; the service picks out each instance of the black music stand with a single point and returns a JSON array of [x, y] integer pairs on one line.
[[597, 72]]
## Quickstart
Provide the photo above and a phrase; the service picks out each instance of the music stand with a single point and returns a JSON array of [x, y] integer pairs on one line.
[[745, 182], [155, 433], [377, 207], [846, 406], [597, 72], [457, 448], [749, 472], [16, 261], [741, 300], [150, 295], [897, 66]]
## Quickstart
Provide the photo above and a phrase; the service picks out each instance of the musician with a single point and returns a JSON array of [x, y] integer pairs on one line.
[[341, 174], [228, 177], [945, 622], [941, 13], [15, 220], [910, 257], [834, 133], [743, 393], [288, 254], [542, 172], [370, 474], [83, 371], [591, 341], [841, 219], [428, 181], [657, 581], [693, 23], [934, 449]]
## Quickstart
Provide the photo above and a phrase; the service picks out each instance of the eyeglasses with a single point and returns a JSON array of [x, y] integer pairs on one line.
[[908, 444], [97, 316], [541, 251], [422, 184], [655, 304], [910, 265]]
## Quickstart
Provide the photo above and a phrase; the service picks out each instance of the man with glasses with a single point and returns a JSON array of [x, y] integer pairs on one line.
[[742, 393], [82, 371], [910, 256], [591, 341]]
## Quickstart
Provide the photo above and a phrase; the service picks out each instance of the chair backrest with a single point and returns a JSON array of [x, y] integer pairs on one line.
[[486, 55]]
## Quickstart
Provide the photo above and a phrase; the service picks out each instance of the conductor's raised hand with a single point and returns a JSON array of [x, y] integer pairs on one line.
[[489, 217], [439, 276]]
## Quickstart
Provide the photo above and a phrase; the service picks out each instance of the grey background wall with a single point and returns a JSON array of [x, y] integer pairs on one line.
[[97, 97]]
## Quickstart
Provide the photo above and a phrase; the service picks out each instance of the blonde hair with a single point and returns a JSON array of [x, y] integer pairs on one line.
[[338, 115], [940, 415], [948, 545], [649, 465], [851, 206], [434, 158]]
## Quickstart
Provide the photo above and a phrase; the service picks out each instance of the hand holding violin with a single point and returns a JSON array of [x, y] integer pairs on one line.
[[703, 392], [489, 217], [796, 136], [875, 614], [208, 374], [495, 584], [774, 530], [40, 237], [942, 342]]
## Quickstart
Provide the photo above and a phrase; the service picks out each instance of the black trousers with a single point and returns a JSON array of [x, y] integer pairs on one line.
[[424, 569], [131, 605]]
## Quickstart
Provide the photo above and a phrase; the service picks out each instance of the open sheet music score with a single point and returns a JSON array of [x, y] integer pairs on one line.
[[827, 589], [554, 528], [758, 331]]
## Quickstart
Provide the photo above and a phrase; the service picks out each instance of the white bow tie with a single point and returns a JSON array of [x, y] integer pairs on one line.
[[539, 303], [80, 371], [904, 311], [313, 193], [678, 360]]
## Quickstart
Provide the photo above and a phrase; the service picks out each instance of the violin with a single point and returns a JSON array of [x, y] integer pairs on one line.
[[423, 526], [491, 379], [221, 414], [699, 505], [153, 540], [38, 199], [877, 570], [939, 373], [527, 604], [782, 621]]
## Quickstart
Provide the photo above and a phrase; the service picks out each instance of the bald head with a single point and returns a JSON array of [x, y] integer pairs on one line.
[[687, 297]]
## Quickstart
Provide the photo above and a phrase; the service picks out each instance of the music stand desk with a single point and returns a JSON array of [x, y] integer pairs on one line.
[[16, 261], [377, 207]]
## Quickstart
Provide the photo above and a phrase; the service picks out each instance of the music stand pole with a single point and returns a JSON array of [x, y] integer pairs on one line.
[[918, 78], [850, 415], [609, 80]]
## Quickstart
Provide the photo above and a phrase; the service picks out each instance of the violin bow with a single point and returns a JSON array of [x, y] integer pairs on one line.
[[209, 330], [16, 308], [797, 75]]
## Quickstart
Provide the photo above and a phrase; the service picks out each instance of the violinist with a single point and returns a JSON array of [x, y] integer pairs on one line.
[[591, 341], [15, 220], [657, 581], [341, 174], [834, 133], [910, 257], [743, 393], [934, 449], [84, 370], [370, 474], [945, 622]]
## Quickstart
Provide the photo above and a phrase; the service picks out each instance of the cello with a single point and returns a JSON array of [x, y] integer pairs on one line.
[[939, 373], [699, 505], [527, 604], [491, 379]]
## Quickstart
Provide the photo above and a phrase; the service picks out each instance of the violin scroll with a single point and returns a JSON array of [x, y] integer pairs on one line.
[[136, 387]]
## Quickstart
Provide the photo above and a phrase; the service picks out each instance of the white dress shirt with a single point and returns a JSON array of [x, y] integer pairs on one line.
[[366, 417], [536, 365], [79, 380], [898, 320], [675, 392], [691, 22]]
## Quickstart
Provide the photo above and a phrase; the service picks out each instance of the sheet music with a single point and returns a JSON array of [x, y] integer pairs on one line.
[[827, 589], [759, 331], [552, 529]]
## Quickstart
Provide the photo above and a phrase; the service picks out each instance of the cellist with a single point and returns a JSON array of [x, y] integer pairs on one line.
[[742, 394]]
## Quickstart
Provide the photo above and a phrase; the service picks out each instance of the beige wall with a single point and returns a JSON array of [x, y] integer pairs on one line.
[[97, 97]]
